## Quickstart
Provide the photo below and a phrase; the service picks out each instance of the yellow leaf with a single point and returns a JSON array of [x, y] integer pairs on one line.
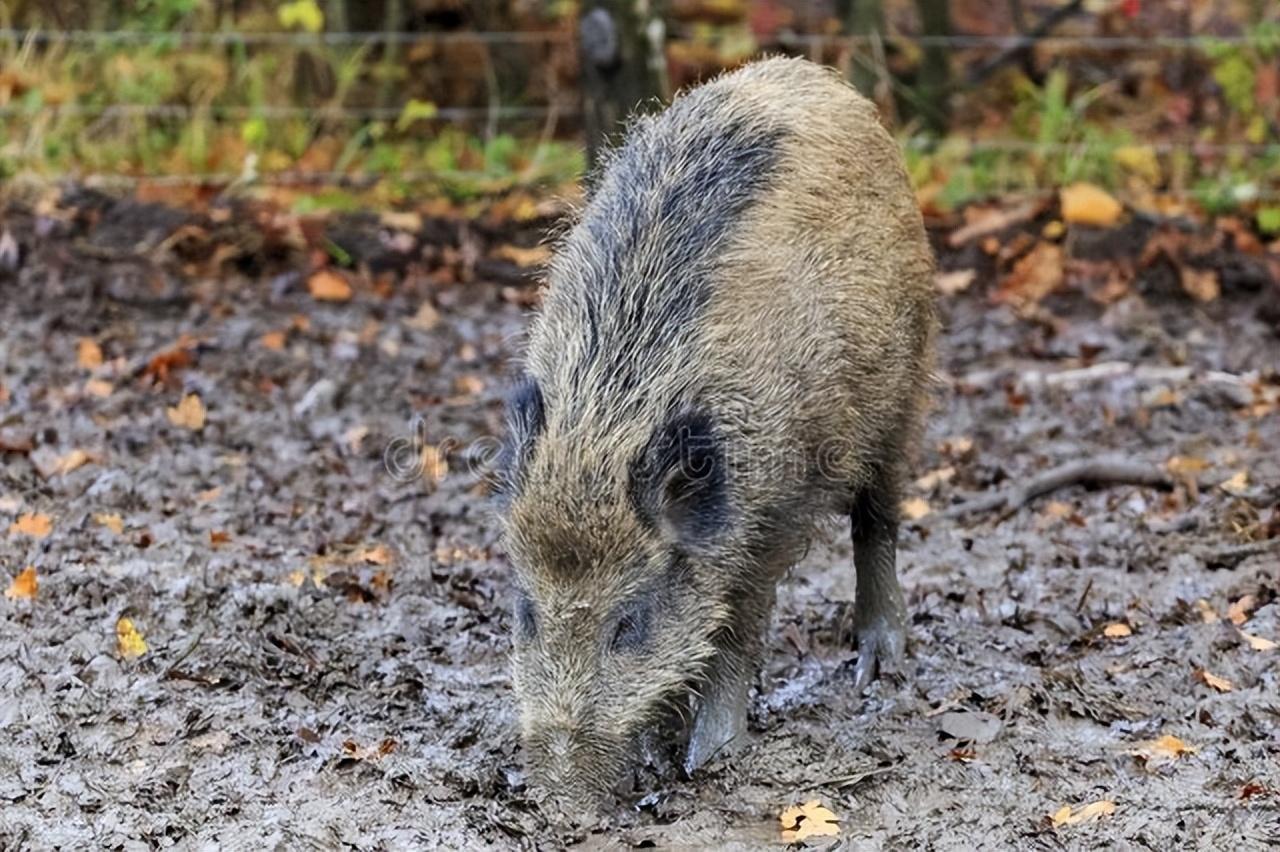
[[535, 256], [33, 524], [934, 478], [129, 640], [811, 819], [329, 286], [303, 14], [115, 523], [99, 388], [1221, 684], [187, 414], [1237, 484], [88, 353], [1258, 643], [401, 220], [24, 586], [914, 508], [1066, 815], [1086, 204], [1140, 160], [1162, 750], [1117, 630]]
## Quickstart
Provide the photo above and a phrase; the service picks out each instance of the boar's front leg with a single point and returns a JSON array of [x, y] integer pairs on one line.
[[880, 615], [720, 711]]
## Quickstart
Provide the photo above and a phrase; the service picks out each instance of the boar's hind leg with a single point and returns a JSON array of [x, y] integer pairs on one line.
[[879, 613], [720, 714]]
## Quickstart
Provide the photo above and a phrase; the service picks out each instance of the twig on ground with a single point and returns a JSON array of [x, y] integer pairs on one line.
[[1089, 472], [997, 222]]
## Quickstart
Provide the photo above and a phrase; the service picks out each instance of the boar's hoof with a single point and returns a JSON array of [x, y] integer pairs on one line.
[[880, 648]]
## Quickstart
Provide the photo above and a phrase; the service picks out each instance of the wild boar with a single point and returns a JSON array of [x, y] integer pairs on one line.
[[733, 345]]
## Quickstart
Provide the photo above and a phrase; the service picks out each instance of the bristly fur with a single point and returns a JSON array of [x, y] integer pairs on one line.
[[752, 261]]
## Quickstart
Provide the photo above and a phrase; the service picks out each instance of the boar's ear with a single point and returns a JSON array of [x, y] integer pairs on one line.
[[526, 418], [679, 483]]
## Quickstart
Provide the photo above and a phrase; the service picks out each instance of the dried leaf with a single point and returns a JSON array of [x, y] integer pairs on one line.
[[1259, 643], [1221, 684], [1201, 284], [209, 495], [535, 256], [376, 555], [115, 523], [397, 220], [914, 508], [426, 318], [1066, 815], [71, 461], [434, 464], [1184, 466], [1034, 276], [129, 640], [24, 586], [1086, 204], [1237, 484], [1163, 750], [217, 538], [1207, 613], [355, 751], [1117, 630], [88, 353], [99, 388], [273, 340], [934, 478], [329, 286], [187, 414], [957, 281], [32, 524], [1238, 612], [811, 819]]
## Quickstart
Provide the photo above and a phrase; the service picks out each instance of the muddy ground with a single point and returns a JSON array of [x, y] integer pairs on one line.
[[327, 640]]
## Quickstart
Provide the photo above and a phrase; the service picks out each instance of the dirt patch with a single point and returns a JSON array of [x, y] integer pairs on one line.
[[327, 640]]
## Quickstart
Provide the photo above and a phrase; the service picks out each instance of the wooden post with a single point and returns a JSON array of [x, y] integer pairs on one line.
[[865, 19], [623, 67]]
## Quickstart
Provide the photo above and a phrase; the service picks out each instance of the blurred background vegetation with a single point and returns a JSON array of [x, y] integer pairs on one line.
[[336, 103]]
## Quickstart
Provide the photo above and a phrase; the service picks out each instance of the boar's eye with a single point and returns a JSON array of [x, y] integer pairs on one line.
[[632, 632], [526, 617]]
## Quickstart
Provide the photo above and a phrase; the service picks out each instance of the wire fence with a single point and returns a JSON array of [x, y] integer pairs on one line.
[[31, 113]]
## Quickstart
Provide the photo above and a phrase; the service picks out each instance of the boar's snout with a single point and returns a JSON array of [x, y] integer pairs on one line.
[[578, 768]]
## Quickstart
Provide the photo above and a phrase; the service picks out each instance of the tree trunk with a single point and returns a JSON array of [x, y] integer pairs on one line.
[[623, 67], [864, 19], [935, 67]]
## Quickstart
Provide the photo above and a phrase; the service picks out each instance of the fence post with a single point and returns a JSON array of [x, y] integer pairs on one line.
[[623, 66]]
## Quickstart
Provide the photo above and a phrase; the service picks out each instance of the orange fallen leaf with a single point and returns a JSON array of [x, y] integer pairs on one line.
[[1066, 815], [1086, 204], [1221, 684], [1238, 612], [1034, 276], [376, 555], [217, 538], [115, 523], [329, 286], [1117, 630], [129, 640], [24, 586], [811, 819], [355, 751], [1186, 466], [33, 524], [273, 340], [914, 508], [187, 414], [88, 353], [524, 257], [1162, 750]]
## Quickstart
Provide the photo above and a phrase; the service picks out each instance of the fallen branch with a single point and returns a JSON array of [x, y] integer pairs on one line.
[[996, 222], [1094, 472]]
